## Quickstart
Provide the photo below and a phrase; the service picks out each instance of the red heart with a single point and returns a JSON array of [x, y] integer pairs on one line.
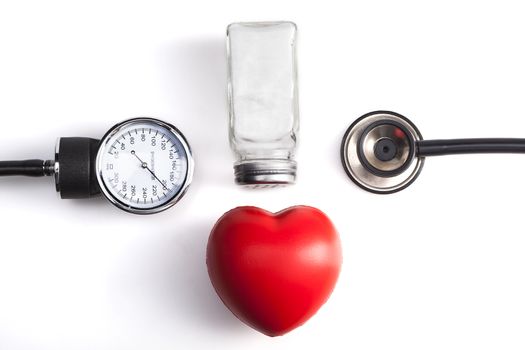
[[274, 271]]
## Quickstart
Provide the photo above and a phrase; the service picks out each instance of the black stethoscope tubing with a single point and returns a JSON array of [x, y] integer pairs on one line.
[[427, 148]]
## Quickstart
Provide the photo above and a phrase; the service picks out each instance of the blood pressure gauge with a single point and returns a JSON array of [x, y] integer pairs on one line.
[[142, 166]]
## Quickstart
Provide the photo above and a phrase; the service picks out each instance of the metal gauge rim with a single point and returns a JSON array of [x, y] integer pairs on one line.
[[127, 207], [361, 174]]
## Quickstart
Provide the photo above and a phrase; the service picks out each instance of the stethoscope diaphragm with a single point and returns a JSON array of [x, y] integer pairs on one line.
[[378, 152]]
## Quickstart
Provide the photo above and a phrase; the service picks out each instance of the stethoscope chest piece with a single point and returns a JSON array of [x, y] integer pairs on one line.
[[384, 152], [378, 152]]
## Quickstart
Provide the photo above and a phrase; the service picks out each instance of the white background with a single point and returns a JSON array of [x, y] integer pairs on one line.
[[439, 265]]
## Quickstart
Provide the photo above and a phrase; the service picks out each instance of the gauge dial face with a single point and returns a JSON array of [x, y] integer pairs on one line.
[[144, 165]]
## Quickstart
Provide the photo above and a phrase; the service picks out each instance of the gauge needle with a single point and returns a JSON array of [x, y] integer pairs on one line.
[[145, 166]]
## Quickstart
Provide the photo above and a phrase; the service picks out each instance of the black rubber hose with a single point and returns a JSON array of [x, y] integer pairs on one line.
[[427, 148], [29, 167]]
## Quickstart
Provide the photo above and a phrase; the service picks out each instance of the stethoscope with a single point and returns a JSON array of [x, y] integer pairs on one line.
[[383, 152], [141, 165]]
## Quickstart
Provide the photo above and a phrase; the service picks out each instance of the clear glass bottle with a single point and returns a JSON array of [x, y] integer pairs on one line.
[[262, 92]]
